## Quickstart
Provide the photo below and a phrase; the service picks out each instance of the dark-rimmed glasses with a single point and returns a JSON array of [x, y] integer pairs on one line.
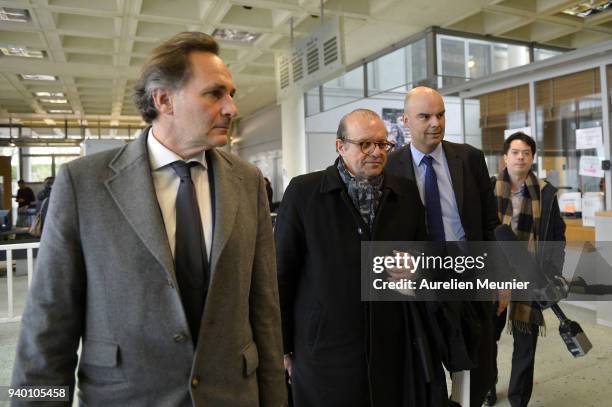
[[368, 147]]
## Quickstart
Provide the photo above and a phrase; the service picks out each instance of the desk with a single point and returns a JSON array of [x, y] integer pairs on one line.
[[575, 232]]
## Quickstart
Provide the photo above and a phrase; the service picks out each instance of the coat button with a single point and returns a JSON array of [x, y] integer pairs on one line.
[[180, 338], [195, 381]]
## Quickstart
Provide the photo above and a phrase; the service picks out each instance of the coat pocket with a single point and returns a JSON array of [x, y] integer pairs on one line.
[[100, 363], [251, 359]]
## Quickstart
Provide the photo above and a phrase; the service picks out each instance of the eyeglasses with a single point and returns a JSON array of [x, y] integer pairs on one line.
[[368, 147]]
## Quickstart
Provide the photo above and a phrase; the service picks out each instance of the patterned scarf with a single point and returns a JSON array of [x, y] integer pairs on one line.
[[365, 193], [522, 314]]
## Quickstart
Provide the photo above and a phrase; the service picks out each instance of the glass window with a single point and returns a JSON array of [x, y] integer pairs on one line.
[[313, 103], [451, 60], [418, 60], [344, 89], [388, 71], [540, 54], [40, 168], [564, 105], [479, 59], [482, 58], [498, 111]]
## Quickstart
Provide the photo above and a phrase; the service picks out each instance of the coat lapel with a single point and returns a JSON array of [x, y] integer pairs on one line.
[[405, 159], [132, 190], [455, 167], [227, 190]]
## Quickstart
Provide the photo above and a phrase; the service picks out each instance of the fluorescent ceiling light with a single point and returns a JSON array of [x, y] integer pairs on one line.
[[59, 111], [21, 52], [15, 14], [588, 8], [235, 35], [54, 101], [38, 77], [50, 94]]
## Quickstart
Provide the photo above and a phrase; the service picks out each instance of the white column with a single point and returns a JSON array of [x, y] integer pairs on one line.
[[293, 137]]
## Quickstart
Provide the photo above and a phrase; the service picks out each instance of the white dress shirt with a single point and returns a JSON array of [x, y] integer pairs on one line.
[[166, 184], [453, 230]]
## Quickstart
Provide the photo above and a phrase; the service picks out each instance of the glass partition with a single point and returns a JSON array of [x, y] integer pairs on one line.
[[460, 59], [566, 105], [497, 115], [395, 71], [344, 89]]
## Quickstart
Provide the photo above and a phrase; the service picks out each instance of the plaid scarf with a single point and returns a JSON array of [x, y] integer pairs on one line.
[[365, 193], [522, 314]]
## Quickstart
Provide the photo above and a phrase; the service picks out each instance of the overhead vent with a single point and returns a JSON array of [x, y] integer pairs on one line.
[[297, 65], [312, 60]]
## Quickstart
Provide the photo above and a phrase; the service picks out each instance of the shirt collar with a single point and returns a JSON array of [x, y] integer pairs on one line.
[[417, 155], [160, 156]]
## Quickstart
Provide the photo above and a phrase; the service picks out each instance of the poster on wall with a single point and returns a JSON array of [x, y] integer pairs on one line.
[[590, 166], [588, 138], [397, 133]]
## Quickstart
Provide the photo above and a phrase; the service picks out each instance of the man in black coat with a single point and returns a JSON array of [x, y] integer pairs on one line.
[[529, 206], [340, 351], [466, 207]]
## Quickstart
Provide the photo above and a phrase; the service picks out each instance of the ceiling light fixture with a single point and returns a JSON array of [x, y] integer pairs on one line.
[[49, 94], [23, 52], [38, 77], [588, 8], [59, 111], [235, 35], [54, 101], [18, 15]]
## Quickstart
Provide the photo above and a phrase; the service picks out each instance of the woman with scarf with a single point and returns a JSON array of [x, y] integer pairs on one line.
[[529, 206]]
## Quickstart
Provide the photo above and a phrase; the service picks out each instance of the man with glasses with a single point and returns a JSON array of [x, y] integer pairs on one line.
[[455, 187], [340, 351]]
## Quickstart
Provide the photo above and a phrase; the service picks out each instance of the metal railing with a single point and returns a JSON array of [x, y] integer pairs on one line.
[[8, 249]]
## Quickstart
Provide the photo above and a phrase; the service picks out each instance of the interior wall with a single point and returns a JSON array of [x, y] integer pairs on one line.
[[321, 128]]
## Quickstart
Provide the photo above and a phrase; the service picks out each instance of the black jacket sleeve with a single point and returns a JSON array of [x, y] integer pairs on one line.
[[290, 248]]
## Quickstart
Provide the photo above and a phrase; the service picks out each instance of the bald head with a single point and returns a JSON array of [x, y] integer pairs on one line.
[[356, 116], [357, 127], [420, 92], [424, 117]]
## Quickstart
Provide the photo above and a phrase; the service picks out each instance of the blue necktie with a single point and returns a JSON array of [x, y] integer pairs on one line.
[[433, 207]]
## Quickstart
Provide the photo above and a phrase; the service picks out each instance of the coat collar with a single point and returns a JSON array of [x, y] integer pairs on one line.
[[132, 189], [331, 181]]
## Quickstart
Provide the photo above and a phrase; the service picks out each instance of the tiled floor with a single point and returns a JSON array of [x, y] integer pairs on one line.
[[560, 380]]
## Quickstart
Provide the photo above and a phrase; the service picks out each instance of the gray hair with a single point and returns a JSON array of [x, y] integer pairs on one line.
[[169, 67]]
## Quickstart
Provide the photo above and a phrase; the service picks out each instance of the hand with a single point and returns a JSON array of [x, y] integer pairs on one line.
[[398, 274], [288, 365], [405, 272], [503, 301]]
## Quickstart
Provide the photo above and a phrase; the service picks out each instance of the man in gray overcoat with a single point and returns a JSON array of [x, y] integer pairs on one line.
[[158, 258]]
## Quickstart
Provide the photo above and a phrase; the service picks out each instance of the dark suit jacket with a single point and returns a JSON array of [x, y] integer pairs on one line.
[[478, 212], [318, 239], [105, 276], [471, 184]]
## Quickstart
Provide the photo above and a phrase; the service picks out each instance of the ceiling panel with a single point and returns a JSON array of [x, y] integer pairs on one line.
[[97, 47]]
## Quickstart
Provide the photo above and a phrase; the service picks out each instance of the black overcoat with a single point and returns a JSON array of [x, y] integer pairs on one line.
[[347, 352]]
